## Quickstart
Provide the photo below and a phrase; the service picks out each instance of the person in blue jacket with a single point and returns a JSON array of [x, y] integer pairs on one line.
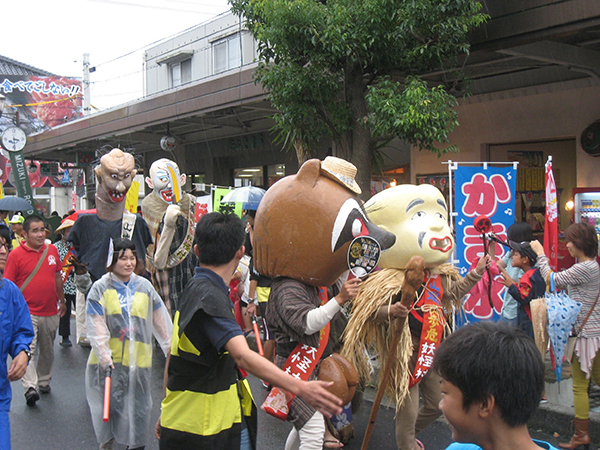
[[16, 333]]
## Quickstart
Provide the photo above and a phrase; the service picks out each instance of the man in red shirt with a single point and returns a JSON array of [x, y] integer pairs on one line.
[[45, 298]]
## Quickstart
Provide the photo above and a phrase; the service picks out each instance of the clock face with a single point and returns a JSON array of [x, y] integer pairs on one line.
[[13, 139]]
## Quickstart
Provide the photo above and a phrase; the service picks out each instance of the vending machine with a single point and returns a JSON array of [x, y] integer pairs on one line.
[[587, 206]]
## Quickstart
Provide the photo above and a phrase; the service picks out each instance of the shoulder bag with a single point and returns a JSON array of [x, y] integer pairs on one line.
[[35, 270]]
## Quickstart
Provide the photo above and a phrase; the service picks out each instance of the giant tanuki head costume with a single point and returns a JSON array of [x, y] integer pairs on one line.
[[305, 223]]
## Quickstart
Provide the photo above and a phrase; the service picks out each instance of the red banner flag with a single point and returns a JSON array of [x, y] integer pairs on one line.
[[551, 223]]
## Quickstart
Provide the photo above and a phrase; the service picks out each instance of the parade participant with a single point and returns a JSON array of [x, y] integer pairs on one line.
[[492, 381], [123, 313], [65, 251], [418, 216], [303, 229], [16, 334], [35, 268], [208, 404], [169, 214], [531, 284], [92, 232]]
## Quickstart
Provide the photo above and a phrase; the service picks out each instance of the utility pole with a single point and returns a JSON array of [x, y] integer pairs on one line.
[[86, 85]]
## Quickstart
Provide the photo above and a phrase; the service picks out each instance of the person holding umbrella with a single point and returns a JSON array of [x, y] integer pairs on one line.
[[4, 217]]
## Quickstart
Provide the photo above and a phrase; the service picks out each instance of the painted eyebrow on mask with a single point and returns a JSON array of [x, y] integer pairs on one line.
[[415, 202], [442, 204]]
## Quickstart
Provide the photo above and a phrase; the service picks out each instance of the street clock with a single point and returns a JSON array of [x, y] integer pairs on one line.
[[13, 139]]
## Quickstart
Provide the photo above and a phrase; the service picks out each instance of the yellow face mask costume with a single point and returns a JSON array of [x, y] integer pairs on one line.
[[305, 223], [418, 216]]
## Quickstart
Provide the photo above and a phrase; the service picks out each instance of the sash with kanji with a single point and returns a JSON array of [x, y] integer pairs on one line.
[[300, 364], [66, 267], [433, 326]]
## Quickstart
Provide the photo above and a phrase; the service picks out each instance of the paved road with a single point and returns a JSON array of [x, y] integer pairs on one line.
[[61, 419]]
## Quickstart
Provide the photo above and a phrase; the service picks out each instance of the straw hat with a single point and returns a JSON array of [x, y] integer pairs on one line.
[[340, 170], [65, 224]]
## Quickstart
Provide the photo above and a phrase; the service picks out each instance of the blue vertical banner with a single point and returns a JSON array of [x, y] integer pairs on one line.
[[489, 191]]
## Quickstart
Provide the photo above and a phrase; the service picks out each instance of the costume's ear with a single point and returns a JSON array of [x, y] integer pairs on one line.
[[309, 172], [133, 173], [487, 407], [149, 182], [182, 180]]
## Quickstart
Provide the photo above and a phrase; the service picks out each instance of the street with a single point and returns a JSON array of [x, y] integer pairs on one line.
[[61, 420]]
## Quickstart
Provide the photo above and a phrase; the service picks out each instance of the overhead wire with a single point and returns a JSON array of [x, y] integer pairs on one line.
[[146, 45]]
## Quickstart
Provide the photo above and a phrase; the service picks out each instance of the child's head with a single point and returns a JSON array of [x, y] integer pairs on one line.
[[488, 365], [523, 255]]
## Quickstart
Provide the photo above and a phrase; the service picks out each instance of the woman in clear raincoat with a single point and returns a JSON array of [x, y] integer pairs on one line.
[[123, 312]]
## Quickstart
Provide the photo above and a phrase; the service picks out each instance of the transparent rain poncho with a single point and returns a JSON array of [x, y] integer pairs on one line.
[[121, 320]]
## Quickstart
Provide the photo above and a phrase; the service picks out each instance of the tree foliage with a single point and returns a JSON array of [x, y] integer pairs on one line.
[[348, 69]]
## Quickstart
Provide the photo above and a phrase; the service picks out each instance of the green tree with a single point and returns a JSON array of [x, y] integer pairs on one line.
[[348, 70]]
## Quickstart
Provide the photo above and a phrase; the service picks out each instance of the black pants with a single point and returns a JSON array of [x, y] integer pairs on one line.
[[64, 326]]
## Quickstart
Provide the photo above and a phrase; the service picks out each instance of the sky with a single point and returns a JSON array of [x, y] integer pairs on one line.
[[53, 36]]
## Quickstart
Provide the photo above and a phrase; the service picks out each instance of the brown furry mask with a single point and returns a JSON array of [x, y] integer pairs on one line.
[[305, 223]]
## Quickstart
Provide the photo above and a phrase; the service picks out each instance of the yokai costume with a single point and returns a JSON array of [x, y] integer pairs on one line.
[[303, 229], [91, 233], [419, 217], [172, 270]]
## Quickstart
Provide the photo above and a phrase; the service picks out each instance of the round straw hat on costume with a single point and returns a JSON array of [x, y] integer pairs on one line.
[[342, 171], [66, 223]]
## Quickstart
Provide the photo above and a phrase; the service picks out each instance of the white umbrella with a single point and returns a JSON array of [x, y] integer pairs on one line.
[[249, 196]]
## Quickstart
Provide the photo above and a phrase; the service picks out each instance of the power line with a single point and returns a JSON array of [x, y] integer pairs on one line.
[[164, 8], [147, 45]]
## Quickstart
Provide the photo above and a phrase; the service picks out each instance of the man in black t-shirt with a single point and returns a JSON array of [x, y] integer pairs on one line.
[[209, 353]]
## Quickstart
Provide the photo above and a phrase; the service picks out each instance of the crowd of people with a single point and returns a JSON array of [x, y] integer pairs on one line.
[[486, 378]]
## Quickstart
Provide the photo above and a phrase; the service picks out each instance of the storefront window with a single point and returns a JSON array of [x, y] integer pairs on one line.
[[255, 175], [248, 176]]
